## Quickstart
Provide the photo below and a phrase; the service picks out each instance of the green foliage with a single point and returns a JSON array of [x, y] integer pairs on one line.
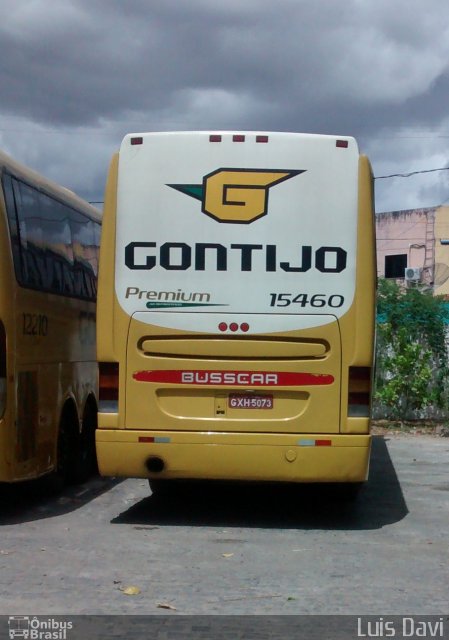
[[412, 357]]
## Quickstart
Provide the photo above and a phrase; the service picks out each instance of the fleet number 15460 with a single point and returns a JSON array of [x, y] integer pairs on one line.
[[305, 300]]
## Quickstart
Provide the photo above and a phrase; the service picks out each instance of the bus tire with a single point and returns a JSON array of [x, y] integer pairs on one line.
[[68, 448], [87, 459]]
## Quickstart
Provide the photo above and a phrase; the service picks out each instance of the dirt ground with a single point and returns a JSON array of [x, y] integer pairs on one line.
[[417, 428]]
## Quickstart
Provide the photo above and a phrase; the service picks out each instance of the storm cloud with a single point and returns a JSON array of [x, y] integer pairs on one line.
[[76, 75]]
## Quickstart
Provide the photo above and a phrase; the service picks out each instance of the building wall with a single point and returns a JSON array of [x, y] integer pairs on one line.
[[441, 277], [409, 233]]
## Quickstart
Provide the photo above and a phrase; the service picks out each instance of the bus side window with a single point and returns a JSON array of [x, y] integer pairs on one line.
[[83, 239], [55, 248], [58, 242], [57, 285], [96, 250], [30, 231], [13, 226]]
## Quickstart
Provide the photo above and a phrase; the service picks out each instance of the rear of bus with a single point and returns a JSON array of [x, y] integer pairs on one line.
[[235, 323]]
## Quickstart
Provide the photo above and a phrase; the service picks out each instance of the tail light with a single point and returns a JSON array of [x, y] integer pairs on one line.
[[359, 392], [108, 387], [2, 369]]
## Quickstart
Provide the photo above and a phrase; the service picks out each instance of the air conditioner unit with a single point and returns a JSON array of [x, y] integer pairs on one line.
[[412, 274]]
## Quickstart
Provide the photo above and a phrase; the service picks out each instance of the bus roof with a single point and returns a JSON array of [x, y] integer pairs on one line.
[[45, 184]]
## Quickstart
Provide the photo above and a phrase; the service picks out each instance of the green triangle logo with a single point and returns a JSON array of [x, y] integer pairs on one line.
[[193, 190]]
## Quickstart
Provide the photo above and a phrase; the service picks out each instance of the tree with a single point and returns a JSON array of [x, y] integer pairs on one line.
[[412, 354]]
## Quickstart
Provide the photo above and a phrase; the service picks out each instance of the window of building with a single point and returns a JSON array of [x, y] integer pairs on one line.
[[395, 265]]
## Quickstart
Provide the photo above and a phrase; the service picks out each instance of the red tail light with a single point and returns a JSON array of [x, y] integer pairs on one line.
[[359, 392], [108, 387]]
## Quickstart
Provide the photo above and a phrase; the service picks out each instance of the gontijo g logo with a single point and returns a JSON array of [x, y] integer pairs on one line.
[[236, 195]]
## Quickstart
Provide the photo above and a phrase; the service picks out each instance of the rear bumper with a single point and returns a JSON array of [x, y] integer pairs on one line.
[[235, 456]]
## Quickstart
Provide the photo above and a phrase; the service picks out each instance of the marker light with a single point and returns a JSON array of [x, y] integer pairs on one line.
[[138, 140], [214, 138], [234, 327], [238, 138], [323, 443], [309, 442], [261, 138], [343, 144]]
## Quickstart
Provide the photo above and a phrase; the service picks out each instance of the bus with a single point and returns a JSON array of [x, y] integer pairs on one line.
[[49, 246], [236, 309]]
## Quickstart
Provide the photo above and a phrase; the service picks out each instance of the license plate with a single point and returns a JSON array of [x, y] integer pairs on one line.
[[250, 401]]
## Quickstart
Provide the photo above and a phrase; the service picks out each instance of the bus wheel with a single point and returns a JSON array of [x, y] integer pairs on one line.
[[87, 461], [66, 454], [68, 447]]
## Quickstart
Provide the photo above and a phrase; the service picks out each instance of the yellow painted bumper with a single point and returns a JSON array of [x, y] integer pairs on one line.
[[235, 456]]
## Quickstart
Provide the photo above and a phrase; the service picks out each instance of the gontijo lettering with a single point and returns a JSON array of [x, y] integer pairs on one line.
[[180, 256]]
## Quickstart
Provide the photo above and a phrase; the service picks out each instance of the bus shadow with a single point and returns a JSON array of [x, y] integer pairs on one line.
[[35, 499], [379, 503]]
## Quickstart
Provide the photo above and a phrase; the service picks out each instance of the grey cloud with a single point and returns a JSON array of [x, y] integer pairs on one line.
[[91, 70]]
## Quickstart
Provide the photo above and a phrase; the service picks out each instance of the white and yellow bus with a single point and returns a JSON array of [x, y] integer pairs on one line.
[[49, 245], [236, 309]]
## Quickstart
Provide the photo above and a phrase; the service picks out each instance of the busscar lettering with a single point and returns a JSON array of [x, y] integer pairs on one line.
[[179, 256], [229, 377]]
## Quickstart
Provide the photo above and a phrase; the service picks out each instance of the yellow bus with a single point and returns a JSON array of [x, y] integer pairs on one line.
[[49, 245], [236, 309]]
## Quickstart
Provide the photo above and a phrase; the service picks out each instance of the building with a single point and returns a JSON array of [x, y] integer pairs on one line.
[[414, 245]]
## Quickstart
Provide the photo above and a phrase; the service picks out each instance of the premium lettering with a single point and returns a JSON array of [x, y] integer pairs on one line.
[[167, 296]]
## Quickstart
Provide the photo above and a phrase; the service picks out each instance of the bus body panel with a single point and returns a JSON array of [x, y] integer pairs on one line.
[[191, 298], [202, 381], [50, 339], [295, 255], [236, 456]]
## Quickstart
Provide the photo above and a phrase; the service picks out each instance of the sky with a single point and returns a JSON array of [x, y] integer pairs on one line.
[[77, 75]]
